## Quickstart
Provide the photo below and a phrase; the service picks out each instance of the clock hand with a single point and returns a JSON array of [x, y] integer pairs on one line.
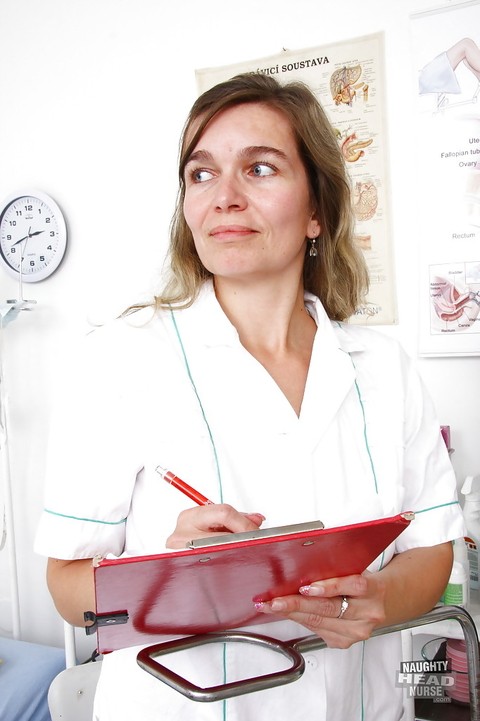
[[30, 235], [21, 240]]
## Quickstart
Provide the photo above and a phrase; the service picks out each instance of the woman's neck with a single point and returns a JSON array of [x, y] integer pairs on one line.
[[275, 328], [268, 315]]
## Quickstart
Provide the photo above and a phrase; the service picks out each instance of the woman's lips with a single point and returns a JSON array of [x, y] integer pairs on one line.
[[230, 232]]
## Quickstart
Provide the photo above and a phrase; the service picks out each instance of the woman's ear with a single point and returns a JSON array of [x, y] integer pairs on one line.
[[314, 228]]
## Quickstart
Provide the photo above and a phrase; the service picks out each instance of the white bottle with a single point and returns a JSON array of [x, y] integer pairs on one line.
[[471, 512], [456, 592]]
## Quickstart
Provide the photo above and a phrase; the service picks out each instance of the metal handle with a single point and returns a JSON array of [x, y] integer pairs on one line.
[[146, 659], [293, 650]]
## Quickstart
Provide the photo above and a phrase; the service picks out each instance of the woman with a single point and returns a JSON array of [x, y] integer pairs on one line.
[[248, 384]]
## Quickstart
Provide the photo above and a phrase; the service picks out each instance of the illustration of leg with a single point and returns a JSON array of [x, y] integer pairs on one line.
[[465, 50]]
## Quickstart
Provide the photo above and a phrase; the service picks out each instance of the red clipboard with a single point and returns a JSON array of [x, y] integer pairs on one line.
[[214, 588]]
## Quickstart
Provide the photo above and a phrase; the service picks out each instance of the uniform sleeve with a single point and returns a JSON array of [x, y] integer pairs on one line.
[[429, 479], [93, 454]]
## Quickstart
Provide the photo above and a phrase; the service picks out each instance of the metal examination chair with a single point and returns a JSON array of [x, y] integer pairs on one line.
[[72, 691]]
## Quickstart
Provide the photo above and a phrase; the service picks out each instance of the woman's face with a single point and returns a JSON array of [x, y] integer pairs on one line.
[[247, 200]]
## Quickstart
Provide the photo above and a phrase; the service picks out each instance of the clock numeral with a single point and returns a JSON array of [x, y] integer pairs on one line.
[[18, 212], [28, 208], [32, 263], [47, 220], [12, 222], [42, 258], [13, 250]]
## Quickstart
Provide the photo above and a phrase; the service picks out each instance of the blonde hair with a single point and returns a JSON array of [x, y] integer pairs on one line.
[[338, 274]]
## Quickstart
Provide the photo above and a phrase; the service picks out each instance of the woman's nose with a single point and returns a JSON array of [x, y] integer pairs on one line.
[[229, 194]]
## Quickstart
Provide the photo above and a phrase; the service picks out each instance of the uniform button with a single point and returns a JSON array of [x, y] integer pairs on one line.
[[311, 661]]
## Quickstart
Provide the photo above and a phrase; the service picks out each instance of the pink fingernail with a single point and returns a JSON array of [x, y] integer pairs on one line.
[[313, 589], [261, 606]]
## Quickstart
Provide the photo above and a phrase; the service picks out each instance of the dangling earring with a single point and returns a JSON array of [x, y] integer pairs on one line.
[[313, 250]]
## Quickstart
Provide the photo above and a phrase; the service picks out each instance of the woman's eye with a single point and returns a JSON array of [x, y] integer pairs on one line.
[[262, 169], [201, 175]]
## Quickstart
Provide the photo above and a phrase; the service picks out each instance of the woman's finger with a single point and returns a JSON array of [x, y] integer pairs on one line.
[[211, 519], [348, 586]]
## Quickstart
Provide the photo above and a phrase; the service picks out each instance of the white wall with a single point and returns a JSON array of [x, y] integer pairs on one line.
[[93, 96]]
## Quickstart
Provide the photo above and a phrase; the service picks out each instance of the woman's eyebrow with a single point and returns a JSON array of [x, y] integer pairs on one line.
[[199, 156], [256, 151], [250, 152]]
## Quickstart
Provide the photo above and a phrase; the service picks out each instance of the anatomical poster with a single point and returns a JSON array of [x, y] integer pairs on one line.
[[446, 49], [348, 79]]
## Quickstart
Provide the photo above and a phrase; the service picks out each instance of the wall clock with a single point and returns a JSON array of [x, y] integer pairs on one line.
[[33, 235]]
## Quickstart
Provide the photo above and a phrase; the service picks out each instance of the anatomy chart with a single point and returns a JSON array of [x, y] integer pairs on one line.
[[348, 80], [446, 49], [454, 298]]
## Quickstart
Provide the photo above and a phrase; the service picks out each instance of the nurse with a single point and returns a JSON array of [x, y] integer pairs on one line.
[[245, 379]]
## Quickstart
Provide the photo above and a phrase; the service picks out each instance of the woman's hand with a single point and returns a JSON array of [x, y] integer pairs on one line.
[[318, 607], [408, 586], [212, 520]]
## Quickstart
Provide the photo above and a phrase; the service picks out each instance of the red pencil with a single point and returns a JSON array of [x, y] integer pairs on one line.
[[183, 487]]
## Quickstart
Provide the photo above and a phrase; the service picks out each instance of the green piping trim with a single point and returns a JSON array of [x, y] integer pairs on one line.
[[88, 520], [362, 683], [194, 387], [441, 505], [365, 435], [224, 661], [217, 467]]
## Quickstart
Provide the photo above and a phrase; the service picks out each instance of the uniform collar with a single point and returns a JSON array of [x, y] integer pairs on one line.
[[209, 325], [332, 374], [205, 320], [342, 335]]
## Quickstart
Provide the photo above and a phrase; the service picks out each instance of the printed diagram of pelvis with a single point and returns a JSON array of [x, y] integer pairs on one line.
[[456, 306]]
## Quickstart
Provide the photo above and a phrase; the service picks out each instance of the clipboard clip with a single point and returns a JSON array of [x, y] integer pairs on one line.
[[103, 619]]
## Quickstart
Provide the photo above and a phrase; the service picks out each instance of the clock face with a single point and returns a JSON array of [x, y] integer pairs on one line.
[[33, 236]]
